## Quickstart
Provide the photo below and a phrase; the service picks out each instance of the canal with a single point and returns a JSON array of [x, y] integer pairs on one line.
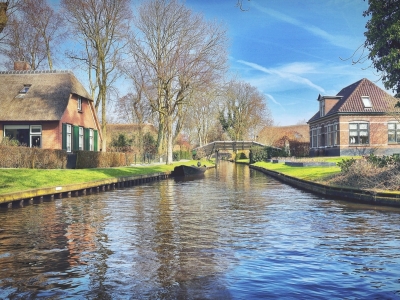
[[234, 234]]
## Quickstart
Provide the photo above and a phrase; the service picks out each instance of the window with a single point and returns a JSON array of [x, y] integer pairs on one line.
[[335, 134], [313, 136], [80, 138], [393, 132], [79, 104], [366, 101], [91, 148], [332, 135], [23, 91], [69, 138], [36, 136], [321, 108], [358, 133], [26, 135]]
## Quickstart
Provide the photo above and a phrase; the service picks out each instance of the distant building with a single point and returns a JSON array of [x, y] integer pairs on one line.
[[359, 120], [278, 136], [47, 109]]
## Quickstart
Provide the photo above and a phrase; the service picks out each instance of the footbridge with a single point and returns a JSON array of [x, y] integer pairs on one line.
[[216, 146]]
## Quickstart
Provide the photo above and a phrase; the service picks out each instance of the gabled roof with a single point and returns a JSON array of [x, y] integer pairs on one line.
[[46, 99], [351, 101]]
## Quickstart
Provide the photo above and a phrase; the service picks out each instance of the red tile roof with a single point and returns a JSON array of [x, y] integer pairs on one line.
[[351, 99]]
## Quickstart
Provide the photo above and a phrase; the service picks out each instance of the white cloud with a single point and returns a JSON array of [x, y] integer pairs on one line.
[[289, 72], [269, 96], [342, 41]]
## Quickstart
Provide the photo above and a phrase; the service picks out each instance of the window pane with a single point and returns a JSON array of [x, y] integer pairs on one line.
[[391, 126], [363, 139], [363, 133], [354, 140], [391, 137], [353, 133], [363, 126], [353, 126]]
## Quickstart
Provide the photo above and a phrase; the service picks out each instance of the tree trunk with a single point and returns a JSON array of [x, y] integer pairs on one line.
[[170, 139]]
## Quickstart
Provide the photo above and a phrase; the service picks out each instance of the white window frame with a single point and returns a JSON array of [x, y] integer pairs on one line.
[[366, 101], [81, 139], [357, 132], [33, 131], [79, 103], [395, 131], [69, 138], [91, 136]]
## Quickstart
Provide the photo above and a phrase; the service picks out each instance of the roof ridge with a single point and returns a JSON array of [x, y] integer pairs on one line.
[[37, 72]]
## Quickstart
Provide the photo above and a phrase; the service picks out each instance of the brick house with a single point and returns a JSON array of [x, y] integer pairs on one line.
[[359, 120], [47, 109]]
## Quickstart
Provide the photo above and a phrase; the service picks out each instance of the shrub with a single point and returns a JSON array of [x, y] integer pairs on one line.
[[345, 164], [90, 159], [383, 161], [32, 158], [258, 154], [176, 156], [200, 153], [299, 149]]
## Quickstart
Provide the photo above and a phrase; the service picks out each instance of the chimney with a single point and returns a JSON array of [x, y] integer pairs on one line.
[[21, 66]]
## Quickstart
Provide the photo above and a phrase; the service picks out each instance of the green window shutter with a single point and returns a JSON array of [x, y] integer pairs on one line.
[[86, 138], [95, 139], [75, 138], [64, 136]]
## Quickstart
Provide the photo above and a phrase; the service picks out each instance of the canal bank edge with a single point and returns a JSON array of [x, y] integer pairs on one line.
[[78, 189], [355, 195]]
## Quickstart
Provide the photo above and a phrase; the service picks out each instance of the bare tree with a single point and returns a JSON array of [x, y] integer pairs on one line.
[[101, 27], [239, 4], [7, 9], [22, 43], [31, 33], [47, 23], [134, 109], [178, 52], [244, 112], [203, 113]]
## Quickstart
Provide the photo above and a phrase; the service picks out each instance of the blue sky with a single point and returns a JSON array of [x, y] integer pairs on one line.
[[291, 50]]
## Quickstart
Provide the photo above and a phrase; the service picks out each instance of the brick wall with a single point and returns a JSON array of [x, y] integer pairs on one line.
[[378, 136], [85, 118], [52, 130]]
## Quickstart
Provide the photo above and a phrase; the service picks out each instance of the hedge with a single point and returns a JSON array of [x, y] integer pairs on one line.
[[32, 158], [90, 159]]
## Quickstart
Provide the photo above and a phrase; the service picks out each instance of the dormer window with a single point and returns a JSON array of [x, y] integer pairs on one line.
[[366, 101], [79, 104], [24, 90], [322, 108]]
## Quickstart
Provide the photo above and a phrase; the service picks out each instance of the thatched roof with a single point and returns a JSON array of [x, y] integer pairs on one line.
[[46, 99]]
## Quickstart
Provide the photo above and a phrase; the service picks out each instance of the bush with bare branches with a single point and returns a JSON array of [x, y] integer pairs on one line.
[[367, 174]]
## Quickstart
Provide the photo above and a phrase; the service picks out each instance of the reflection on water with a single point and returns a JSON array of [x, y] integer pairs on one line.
[[233, 234]]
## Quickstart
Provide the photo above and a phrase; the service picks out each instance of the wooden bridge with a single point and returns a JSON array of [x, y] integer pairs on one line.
[[216, 146]]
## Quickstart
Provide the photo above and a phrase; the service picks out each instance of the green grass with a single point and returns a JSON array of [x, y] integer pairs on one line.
[[17, 180], [314, 173]]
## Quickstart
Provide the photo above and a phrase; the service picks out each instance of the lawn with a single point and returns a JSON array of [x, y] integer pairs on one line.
[[17, 180], [310, 173]]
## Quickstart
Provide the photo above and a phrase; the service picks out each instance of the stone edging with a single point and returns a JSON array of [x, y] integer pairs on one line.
[[78, 189], [362, 196]]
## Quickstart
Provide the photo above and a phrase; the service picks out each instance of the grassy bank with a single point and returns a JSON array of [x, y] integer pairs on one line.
[[16, 180], [310, 173]]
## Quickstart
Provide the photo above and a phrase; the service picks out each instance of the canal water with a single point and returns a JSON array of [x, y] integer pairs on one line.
[[234, 234]]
